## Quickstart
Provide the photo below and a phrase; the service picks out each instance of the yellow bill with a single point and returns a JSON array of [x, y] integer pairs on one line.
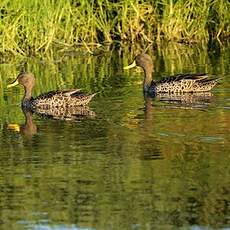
[[13, 84], [13, 127], [131, 66]]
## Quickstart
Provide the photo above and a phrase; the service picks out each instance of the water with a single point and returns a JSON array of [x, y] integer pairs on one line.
[[137, 164]]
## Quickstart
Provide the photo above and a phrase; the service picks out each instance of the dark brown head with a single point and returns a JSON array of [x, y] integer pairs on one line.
[[25, 79], [144, 61]]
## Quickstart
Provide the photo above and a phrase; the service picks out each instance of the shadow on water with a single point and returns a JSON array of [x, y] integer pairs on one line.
[[153, 163]]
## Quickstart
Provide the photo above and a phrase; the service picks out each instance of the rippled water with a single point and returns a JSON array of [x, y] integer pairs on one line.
[[137, 164]]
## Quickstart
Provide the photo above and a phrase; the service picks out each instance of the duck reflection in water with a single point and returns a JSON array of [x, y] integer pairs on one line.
[[186, 100], [66, 113], [29, 128]]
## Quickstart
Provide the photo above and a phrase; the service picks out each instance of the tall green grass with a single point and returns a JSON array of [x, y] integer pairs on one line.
[[31, 27]]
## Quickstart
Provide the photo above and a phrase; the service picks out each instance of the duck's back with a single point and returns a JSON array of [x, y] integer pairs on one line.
[[185, 83], [62, 99]]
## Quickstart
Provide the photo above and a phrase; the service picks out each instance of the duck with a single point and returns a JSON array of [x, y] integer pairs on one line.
[[180, 83], [50, 100]]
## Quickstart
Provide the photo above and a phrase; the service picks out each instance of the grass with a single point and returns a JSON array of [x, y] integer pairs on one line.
[[32, 27]]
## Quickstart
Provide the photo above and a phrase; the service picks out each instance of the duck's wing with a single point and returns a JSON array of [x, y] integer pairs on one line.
[[180, 77], [186, 83], [79, 98], [70, 92], [77, 95], [54, 93], [73, 97], [47, 95]]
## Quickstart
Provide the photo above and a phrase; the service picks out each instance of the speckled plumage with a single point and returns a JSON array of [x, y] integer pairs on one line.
[[184, 83], [50, 100], [180, 83], [61, 99]]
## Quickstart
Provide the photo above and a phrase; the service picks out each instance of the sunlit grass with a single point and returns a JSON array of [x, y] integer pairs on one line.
[[32, 27]]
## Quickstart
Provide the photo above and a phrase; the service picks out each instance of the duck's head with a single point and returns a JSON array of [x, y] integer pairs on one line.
[[25, 79], [143, 60]]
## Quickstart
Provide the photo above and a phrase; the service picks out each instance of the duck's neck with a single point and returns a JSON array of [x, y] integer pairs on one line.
[[147, 79], [27, 95]]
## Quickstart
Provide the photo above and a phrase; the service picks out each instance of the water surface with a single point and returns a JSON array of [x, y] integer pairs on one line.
[[137, 164]]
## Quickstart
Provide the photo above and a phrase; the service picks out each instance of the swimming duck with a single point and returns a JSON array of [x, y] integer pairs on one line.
[[180, 83], [49, 100]]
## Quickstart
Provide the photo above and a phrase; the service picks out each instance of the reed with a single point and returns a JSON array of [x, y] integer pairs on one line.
[[32, 27]]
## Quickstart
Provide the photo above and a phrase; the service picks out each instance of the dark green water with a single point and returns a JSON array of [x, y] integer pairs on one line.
[[136, 165]]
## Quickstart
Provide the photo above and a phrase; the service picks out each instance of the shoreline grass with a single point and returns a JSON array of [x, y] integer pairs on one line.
[[32, 27]]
